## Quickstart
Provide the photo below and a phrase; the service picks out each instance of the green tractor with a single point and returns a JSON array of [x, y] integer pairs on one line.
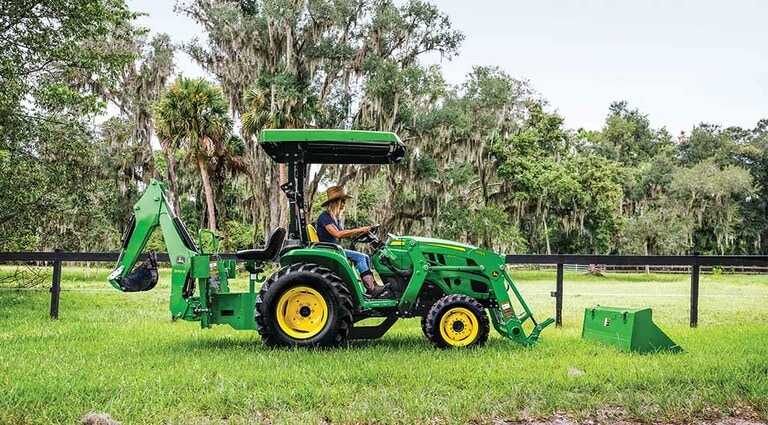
[[317, 298]]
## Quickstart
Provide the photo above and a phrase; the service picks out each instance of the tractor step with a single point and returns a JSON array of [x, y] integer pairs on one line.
[[378, 303], [372, 332]]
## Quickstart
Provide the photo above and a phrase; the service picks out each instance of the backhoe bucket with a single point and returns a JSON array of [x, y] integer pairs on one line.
[[142, 278], [628, 329]]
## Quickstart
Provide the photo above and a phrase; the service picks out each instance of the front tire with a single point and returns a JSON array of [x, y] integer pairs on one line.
[[304, 305], [457, 321]]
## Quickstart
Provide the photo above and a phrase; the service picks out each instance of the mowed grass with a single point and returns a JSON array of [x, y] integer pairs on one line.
[[121, 354]]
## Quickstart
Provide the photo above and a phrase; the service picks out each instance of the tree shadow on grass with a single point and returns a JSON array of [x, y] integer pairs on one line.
[[226, 343], [388, 343], [394, 342], [255, 344], [17, 303]]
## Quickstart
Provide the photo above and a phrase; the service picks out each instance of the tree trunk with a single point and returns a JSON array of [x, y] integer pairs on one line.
[[171, 160], [645, 248], [256, 221], [389, 223], [219, 200], [208, 193], [312, 190], [147, 159], [257, 173]]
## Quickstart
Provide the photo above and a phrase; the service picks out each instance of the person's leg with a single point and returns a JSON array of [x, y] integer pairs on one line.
[[378, 281], [362, 262]]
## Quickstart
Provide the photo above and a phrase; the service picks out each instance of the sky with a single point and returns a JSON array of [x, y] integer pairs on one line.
[[681, 62]]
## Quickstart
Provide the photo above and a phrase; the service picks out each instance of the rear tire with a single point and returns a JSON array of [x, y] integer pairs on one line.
[[457, 321], [304, 305]]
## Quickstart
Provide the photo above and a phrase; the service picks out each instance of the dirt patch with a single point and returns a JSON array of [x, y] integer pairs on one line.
[[564, 420], [620, 417], [98, 419]]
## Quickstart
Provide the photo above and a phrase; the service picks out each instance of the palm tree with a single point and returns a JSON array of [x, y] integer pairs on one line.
[[293, 108], [192, 115], [169, 141], [225, 166]]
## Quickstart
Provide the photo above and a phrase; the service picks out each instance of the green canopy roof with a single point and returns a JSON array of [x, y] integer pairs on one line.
[[332, 146]]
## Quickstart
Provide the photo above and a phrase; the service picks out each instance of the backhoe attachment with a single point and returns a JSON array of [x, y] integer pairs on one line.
[[152, 211], [199, 280], [142, 278]]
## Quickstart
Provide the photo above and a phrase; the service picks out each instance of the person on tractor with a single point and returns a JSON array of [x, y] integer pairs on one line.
[[330, 229]]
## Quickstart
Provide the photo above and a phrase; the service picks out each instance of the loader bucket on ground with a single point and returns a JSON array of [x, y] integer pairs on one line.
[[628, 329]]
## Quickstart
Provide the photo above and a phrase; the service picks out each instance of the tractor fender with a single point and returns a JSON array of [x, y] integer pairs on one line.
[[328, 257]]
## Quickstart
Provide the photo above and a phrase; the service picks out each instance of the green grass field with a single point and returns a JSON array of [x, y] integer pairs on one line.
[[121, 354]]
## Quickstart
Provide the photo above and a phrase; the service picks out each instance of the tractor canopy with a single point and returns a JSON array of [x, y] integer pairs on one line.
[[332, 146]]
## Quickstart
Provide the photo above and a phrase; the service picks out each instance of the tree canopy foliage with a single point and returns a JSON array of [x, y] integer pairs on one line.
[[489, 161], [53, 59]]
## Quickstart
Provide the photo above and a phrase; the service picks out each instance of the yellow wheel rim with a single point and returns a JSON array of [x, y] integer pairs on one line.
[[302, 312], [459, 327]]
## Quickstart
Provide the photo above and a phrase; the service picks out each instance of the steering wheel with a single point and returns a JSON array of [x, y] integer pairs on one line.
[[367, 237]]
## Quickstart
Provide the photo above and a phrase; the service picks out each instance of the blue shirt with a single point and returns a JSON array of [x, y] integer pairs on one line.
[[323, 220]]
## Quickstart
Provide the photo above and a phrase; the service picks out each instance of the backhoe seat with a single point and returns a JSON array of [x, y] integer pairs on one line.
[[269, 252]]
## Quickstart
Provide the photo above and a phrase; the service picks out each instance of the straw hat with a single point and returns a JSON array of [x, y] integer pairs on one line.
[[334, 193]]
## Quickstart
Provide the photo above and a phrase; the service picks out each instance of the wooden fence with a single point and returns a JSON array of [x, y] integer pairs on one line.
[[695, 262]]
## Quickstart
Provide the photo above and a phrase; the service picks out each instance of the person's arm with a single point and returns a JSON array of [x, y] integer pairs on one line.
[[342, 234]]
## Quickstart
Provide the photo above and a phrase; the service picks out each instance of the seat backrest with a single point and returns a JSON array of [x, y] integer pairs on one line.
[[312, 233], [275, 243]]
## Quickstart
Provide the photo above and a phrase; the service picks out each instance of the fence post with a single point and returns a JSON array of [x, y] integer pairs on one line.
[[559, 298], [695, 291], [56, 287]]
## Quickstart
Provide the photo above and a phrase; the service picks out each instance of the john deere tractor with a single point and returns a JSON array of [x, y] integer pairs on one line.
[[316, 297]]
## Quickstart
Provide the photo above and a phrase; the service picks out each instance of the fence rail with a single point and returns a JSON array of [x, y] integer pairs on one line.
[[725, 270], [694, 261], [6, 257], [58, 257], [642, 260]]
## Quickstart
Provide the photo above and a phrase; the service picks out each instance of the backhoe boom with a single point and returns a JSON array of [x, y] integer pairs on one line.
[[151, 211]]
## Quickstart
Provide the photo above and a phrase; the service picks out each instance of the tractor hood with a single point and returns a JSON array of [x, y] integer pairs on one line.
[[332, 146], [432, 242]]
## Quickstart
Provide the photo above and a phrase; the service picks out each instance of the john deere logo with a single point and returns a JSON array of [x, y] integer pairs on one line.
[[180, 259]]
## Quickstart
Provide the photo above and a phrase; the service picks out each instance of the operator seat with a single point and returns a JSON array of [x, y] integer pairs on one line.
[[269, 252], [312, 233], [314, 240]]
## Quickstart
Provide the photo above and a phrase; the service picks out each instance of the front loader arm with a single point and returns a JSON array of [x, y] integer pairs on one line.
[[153, 210]]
